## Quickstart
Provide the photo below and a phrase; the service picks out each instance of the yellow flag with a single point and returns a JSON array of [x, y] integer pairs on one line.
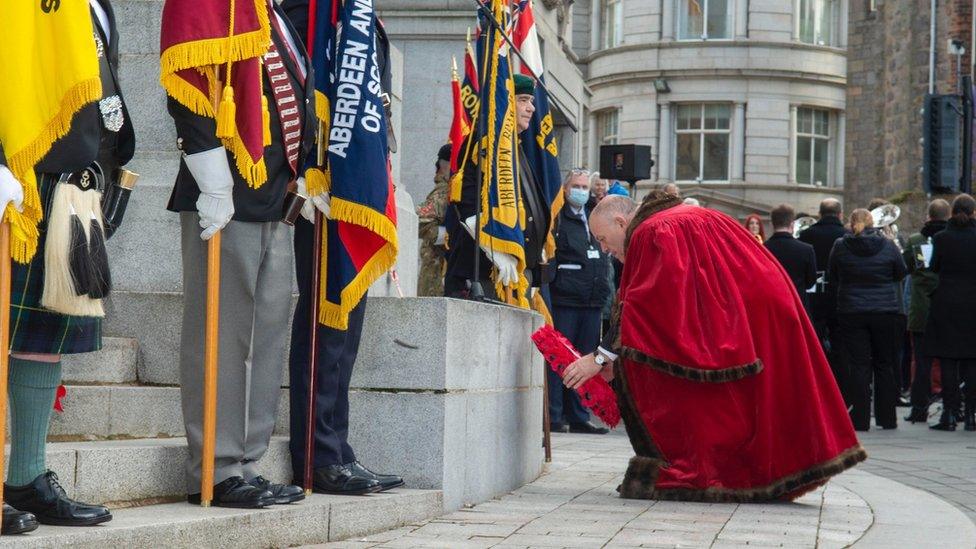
[[49, 70]]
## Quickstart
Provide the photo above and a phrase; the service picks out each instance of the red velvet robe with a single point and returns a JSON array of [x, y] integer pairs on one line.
[[722, 382]]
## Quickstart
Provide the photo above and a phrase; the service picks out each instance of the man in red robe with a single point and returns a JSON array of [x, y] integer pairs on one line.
[[720, 378]]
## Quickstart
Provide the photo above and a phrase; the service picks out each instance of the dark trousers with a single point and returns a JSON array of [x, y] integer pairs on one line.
[[871, 346], [581, 326], [828, 331], [953, 371], [903, 365], [922, 380], [337, 350]]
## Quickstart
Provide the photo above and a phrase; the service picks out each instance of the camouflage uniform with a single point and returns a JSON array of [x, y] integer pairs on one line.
[[431, 214]]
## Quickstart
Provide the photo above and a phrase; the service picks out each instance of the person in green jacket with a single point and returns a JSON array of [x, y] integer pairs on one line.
[[917, 253]]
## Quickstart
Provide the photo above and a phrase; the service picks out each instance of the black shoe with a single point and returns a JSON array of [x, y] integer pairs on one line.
[[558, 428], [235, 492], [587, 428], [903, 402], [338, 479], [283, 493], [945, 424], [17, 522], [917, 415], [45, 498], [387, 482]]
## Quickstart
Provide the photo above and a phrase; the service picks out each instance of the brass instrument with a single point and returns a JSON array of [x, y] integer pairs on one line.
[[884, 218], [802, 224]]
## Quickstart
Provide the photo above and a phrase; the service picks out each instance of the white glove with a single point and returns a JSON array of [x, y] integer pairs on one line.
[[322, 202], [507, 264], [441, 235], [216, 203], [10, 190]]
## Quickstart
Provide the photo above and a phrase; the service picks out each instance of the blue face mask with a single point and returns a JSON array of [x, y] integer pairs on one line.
[[578, 197]]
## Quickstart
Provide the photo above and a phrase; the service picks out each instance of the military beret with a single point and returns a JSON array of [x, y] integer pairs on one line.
[[524, 85], [444, 153]]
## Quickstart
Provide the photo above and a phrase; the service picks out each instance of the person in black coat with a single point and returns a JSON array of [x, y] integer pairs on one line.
[[580, 287], [950, 333], [865, 267], [823, 302], [798, 258]]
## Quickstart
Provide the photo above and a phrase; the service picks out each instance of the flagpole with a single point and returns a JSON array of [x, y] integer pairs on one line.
[[313, 351], [5, 280], [484, 8]]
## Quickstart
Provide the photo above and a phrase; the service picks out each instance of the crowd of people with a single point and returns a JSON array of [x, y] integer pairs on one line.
[[887, 309]]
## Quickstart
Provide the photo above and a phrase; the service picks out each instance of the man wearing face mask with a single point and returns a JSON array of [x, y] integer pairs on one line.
[[580, 288]]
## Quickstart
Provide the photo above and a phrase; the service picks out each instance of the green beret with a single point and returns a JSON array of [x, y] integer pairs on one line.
[[524, 85]]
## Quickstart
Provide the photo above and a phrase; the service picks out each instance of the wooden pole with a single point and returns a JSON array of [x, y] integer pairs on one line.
[[210, 371], [313, 350], [5, 275], [546, 432]]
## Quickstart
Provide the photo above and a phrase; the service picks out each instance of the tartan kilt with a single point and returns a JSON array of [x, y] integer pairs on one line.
[[38, 330]]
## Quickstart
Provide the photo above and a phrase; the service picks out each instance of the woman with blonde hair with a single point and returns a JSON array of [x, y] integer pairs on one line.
[[865, 268]]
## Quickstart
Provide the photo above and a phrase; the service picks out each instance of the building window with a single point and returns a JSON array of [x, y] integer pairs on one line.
[[612, 22], [704, 19], [816, 21], [702, 141], [608, 127], [812, 146]]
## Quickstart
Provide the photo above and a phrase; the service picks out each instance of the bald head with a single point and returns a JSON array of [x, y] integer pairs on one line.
[[609, 222], [830, 207]]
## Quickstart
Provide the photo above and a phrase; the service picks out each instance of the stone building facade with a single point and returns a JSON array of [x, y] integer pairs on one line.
[[888, 76], [429, 33], [743, 102]]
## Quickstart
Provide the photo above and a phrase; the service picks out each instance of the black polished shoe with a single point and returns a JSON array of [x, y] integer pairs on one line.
[[235, 492], [947, 423], [283, 493], [587, 428], [387, 482], [917, 415], [17, 522], [45, 498], [558, 428], [339, 480]]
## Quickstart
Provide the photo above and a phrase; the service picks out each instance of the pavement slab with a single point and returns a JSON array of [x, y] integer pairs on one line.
[[575, 505]]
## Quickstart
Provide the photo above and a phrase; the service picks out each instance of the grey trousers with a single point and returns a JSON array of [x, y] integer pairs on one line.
[[255, 306]]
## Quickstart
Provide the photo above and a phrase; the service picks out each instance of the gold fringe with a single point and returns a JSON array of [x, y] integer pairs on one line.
[[539, 306], [218, 51], [24, 234], [555, 209], [336, 315], [227, 114], [317, 181]]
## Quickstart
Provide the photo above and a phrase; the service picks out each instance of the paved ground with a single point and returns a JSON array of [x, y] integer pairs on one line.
[[575, 505]]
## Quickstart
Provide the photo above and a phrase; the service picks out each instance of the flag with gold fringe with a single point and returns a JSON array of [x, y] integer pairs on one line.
[[49, 70], [502, 211], [360, 238], [460, 123], [211, 64], [540, 147]]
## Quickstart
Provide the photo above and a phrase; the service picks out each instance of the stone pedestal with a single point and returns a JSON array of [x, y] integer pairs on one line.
[[449, 394]]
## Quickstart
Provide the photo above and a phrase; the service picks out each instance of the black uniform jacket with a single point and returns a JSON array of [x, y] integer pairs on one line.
[[799, 260], [199, 133], [822, 235], [580, 271]]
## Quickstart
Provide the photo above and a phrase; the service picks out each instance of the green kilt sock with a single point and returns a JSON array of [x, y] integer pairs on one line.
[[32, 386]]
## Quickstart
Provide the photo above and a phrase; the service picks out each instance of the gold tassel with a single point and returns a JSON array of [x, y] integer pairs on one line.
[[266, 121], [227, 114]]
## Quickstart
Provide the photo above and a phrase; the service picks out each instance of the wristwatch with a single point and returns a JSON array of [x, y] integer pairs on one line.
[[599, 358]]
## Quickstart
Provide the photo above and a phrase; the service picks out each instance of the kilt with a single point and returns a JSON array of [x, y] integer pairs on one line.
[[38, 330]]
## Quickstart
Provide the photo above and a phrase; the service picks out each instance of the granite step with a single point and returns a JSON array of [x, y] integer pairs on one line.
[[124, 472], [97, 412], [318, 519], [117, 362]]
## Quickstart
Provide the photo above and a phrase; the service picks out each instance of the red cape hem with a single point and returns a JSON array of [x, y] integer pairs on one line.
[[722, 375]]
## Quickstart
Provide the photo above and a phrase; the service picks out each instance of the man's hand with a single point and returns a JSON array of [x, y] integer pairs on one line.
[[11, 191], [216, 201], [321, 202], [580, 371], [506, 264]]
